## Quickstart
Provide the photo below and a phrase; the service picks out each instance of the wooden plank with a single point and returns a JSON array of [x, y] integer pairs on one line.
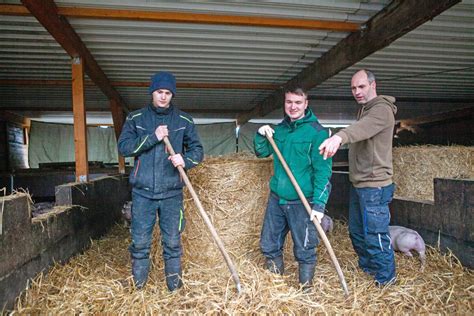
[[46, 12], [118, 119], [68, 109], [439, 117], [395, 20], [185, 17], [189, 85], [13, 9], [203, 18], [80, 129]]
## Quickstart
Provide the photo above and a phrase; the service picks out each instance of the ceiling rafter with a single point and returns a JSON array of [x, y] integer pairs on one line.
[[46, 13], [183, 17], [395, 20]]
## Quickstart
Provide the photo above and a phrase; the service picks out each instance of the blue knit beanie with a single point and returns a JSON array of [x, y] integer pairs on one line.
[[163, 80]]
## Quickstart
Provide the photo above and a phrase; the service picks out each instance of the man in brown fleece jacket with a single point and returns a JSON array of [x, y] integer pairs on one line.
[[370, 172]]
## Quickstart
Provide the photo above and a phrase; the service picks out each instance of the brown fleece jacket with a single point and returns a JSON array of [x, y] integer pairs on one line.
[[370, 143]]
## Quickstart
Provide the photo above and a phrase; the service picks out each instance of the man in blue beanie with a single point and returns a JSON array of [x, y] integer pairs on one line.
[[156, 184]]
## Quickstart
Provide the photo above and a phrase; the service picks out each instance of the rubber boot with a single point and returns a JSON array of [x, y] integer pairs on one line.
[[306, 274], [173, 274], [276, 265], [140, 269]]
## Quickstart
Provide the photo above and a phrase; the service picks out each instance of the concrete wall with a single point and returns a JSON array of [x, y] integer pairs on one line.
[[29, 246], [449, 219]]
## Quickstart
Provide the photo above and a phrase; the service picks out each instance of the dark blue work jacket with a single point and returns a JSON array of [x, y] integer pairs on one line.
[[153, 175]]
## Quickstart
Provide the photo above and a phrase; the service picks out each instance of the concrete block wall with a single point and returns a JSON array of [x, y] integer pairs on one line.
[[447, 221], [29, 246]]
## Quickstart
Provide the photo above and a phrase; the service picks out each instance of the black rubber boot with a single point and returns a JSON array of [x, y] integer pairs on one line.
[[173, 274], [306, 274], [276, 265], [140, 269]]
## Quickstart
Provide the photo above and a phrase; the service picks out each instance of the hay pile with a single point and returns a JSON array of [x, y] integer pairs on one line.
[[92, 283], [234, 192], [415, 167]]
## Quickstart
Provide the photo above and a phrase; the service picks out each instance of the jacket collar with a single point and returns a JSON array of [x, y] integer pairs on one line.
[[308, 117], [161, 111]]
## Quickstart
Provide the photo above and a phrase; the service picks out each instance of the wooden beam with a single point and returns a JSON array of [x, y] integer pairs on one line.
[[46, 13], [186, 85], [80, 129], [118, 119], [439, 117], [13, 9], [201, 18], [15, 118], [205, 85], [68, 109], [395, 20]]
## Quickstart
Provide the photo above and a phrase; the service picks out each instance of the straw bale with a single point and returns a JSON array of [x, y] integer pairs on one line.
[[415, 167], [99, 281], [233, 191]]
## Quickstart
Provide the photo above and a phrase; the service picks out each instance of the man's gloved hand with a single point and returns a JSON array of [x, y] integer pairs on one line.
[[318, 212], [266, 130]]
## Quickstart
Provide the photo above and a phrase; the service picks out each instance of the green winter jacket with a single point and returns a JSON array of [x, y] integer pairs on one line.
[[298, 143]]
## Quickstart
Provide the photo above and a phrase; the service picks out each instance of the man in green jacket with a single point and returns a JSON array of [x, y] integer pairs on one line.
[[297, 137], [370, 172]]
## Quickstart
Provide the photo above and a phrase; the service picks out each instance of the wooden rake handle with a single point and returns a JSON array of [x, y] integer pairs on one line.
[[315, 220], [208, 222]]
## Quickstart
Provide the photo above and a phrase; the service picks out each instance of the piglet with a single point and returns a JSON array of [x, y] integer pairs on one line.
[[405, 240], [127, 211], [327, 224]]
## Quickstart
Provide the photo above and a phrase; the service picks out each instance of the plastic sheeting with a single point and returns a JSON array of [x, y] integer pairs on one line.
[[55, 143], [246, 136], [218, 139], [51, 142]]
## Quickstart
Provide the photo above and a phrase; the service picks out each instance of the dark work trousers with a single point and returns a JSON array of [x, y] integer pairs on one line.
[[171, 222], [369, 217], [281, 218]]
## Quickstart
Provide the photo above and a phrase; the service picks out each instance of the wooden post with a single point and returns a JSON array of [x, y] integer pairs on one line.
[[117, 117], [80, 129]]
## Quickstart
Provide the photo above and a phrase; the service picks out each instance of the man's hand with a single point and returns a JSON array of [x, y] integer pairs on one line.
[[319, 215], [266, 130], [330, 146], [177, 160], [161, 131]]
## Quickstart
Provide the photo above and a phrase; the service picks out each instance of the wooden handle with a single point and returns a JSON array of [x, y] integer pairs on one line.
[[208, 222], [315, 220]]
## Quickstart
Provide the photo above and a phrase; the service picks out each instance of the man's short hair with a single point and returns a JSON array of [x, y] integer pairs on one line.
[[297, 90], [370, 75]]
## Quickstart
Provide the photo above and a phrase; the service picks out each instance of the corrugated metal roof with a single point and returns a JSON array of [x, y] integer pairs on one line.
[[434, 61]]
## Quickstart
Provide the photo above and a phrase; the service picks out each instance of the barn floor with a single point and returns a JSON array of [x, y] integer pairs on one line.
[[98, 281]]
